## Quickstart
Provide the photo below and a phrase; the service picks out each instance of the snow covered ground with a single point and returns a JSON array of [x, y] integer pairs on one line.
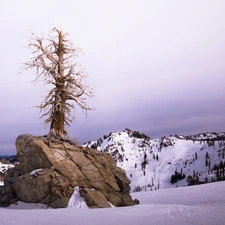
[[202, 204]]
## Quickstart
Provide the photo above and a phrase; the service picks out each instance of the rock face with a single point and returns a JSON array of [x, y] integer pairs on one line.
[[50, 169]]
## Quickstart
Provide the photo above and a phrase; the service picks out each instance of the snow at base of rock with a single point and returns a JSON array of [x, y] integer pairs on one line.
[[76, 201]]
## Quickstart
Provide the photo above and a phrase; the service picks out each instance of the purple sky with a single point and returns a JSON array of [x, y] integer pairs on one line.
[[157, 66]]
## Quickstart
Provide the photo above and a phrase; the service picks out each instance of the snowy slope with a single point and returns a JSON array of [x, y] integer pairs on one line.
[[4, 166], [152, 164], [202, 204]]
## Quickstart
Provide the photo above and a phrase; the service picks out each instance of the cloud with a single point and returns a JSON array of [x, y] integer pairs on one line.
[[157, 68]]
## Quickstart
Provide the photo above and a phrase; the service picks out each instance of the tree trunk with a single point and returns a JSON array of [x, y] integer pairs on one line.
[[57, 124]]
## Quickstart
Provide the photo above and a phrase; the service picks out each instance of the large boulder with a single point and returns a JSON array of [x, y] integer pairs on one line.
[[51, 167]]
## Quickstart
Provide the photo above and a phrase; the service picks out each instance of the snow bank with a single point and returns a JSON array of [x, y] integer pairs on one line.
[[76, 201]]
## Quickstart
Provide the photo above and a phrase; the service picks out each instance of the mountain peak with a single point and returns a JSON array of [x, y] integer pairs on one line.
[[166, 162]]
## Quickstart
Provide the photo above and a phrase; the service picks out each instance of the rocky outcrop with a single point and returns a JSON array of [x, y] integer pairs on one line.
[[51, 167], [7, 192]]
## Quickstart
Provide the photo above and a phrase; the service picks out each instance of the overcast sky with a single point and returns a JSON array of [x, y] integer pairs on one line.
[[157, 66]]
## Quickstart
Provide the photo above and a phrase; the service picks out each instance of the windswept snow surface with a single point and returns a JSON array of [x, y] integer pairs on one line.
[[202, 204]]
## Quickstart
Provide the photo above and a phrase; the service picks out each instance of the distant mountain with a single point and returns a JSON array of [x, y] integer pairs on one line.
[[174, 161], [10, 158]]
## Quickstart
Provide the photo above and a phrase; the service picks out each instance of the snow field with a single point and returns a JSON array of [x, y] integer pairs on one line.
[[201, 204]]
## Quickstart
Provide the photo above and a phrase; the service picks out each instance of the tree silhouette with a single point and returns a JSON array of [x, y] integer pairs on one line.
[[54, 61]]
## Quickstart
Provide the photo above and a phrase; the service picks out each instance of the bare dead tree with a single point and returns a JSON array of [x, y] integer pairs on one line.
[[54, 60]]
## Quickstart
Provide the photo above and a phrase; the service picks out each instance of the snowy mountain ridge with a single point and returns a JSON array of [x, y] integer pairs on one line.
[[174, 161]]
